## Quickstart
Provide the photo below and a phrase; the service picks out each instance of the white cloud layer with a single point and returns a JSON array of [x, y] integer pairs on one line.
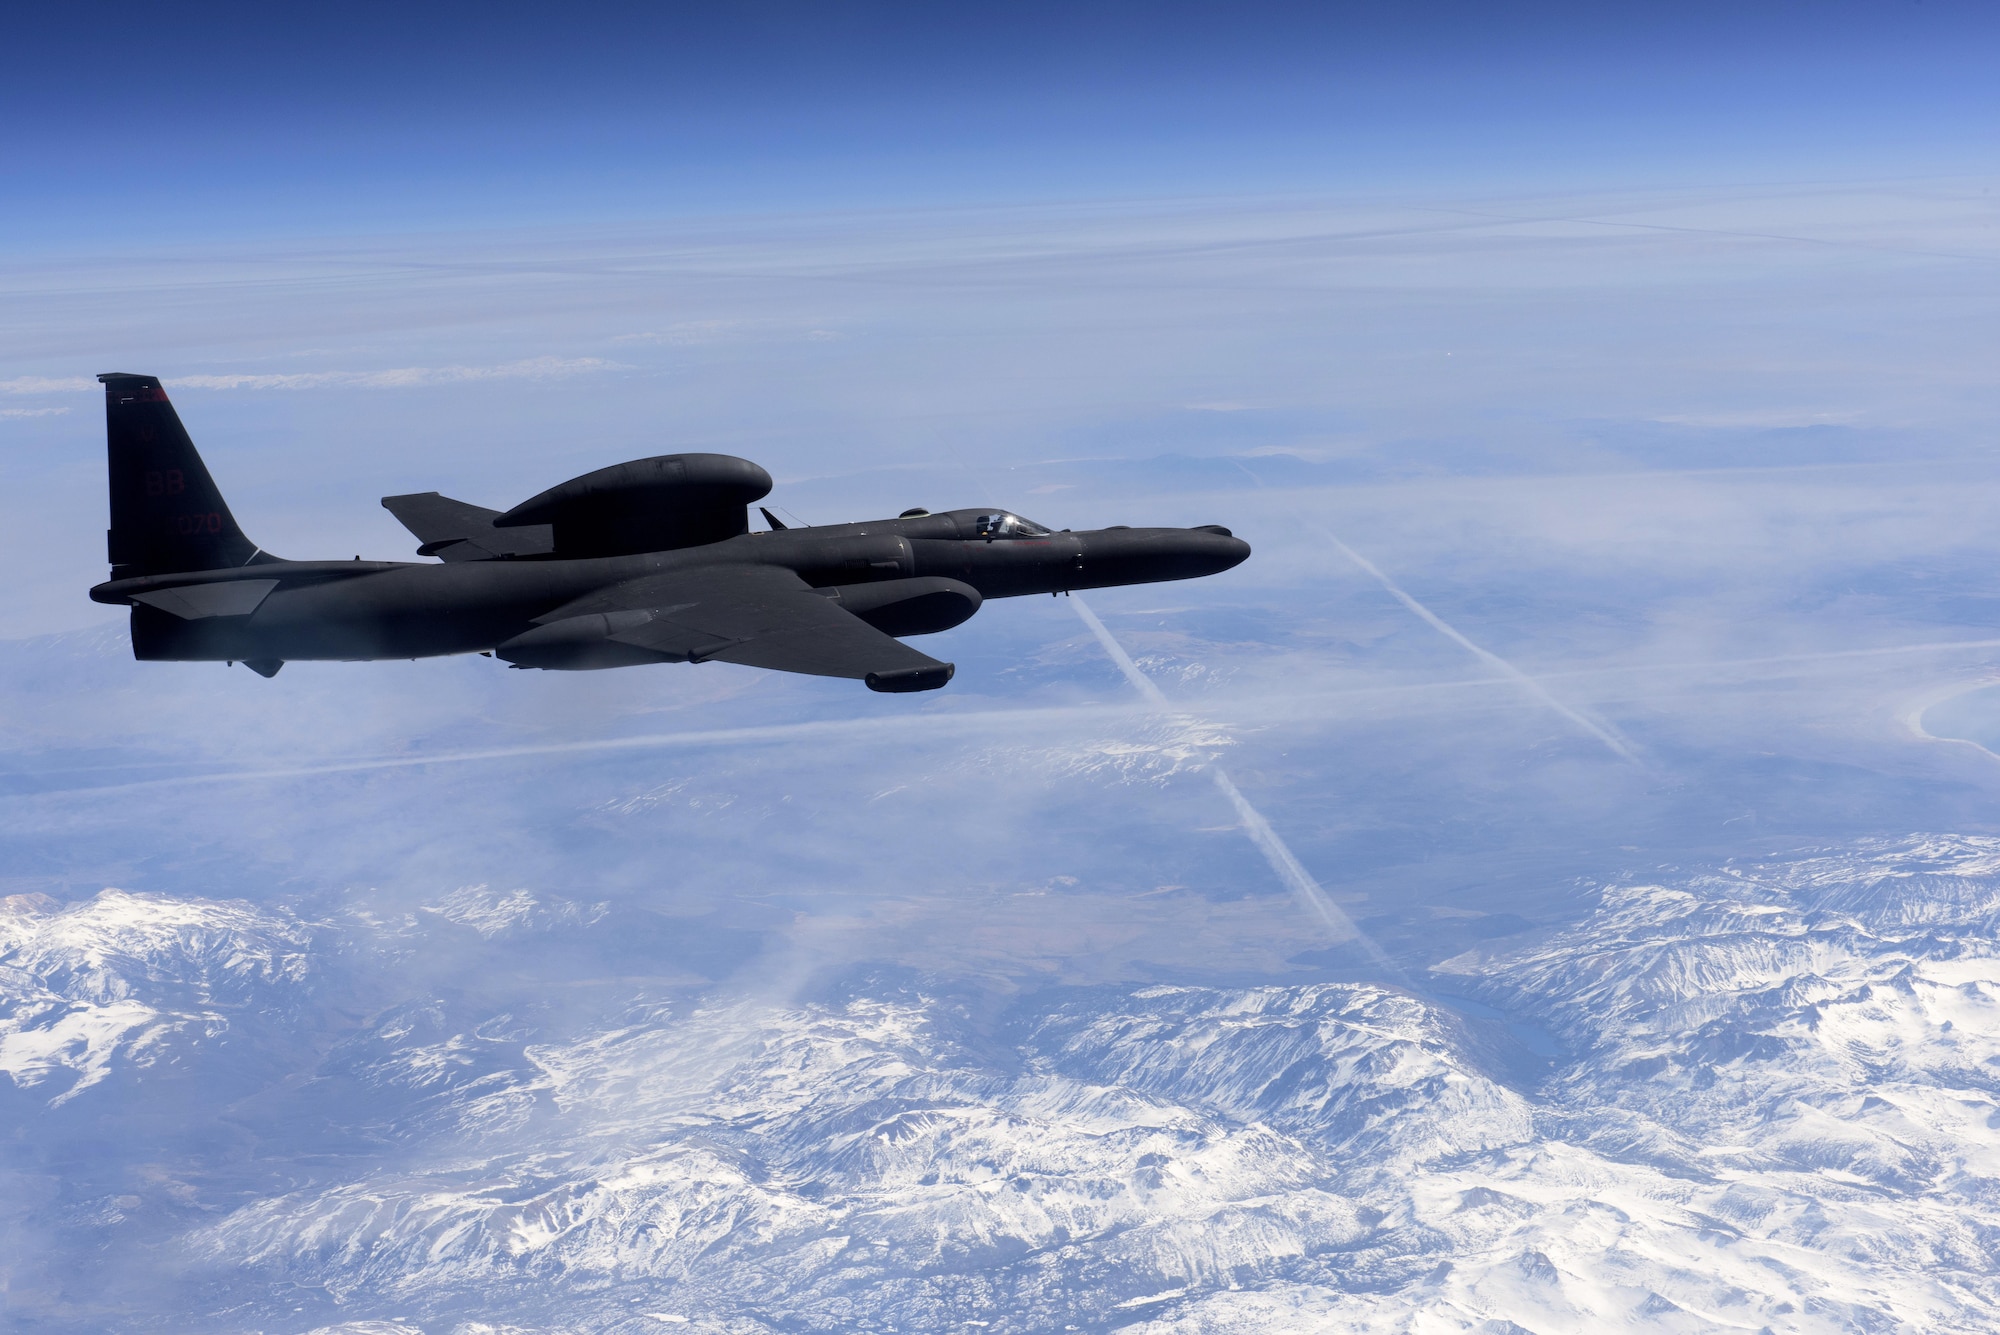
[[41, 384], [531, 368], [528, 368]]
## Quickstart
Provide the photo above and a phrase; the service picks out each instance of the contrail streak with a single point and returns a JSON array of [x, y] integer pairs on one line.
[[1308, 704], [1276, 852], [1289, 869], [1141, 683], [1616, 744], [929, 725]]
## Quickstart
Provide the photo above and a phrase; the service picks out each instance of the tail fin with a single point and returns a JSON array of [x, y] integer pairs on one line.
[[166, 513]]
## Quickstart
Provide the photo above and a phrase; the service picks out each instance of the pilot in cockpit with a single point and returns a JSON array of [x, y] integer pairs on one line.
[[1003, 525]]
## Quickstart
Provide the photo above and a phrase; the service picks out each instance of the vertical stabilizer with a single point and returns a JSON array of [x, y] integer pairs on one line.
[[167, 515]]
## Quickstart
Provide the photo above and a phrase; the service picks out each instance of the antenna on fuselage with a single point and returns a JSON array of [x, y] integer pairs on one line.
[[777, 525]]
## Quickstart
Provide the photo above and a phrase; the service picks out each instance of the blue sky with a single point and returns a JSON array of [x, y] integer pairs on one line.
[[226, 120]]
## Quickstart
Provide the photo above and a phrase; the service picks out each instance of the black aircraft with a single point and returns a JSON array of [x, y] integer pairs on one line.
[[650, 561]]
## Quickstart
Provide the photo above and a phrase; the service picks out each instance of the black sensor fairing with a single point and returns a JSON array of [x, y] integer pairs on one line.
[[660, 504]]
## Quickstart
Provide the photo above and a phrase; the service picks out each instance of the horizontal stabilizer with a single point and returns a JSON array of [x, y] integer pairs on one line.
[[197, 602], [458, 531]]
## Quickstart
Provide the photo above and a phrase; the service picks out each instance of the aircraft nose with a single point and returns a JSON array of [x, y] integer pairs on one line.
[[1221, 546], [1144, 555]]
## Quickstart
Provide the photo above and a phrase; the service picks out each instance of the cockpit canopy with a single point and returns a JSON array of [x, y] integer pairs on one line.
[[1001, 524]]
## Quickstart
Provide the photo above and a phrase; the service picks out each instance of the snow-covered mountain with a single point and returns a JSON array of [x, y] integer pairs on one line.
[[1775, 1105], [133, 984]]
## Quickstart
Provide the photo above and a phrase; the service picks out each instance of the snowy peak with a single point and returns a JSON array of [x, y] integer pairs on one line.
[[1778, 1106], [118, 945], [1334, 1065], [127, 979]]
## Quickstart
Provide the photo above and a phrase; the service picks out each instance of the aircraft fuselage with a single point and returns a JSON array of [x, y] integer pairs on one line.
[[354, 610], [647, 561]]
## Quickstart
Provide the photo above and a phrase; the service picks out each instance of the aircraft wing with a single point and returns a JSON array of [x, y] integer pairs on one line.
[[460, 531], [759, 616]]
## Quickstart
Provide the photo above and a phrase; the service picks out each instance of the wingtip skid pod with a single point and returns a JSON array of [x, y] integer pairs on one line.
[[903, 681]]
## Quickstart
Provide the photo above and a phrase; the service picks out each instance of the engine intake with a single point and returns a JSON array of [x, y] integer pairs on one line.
[[921, 606]]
